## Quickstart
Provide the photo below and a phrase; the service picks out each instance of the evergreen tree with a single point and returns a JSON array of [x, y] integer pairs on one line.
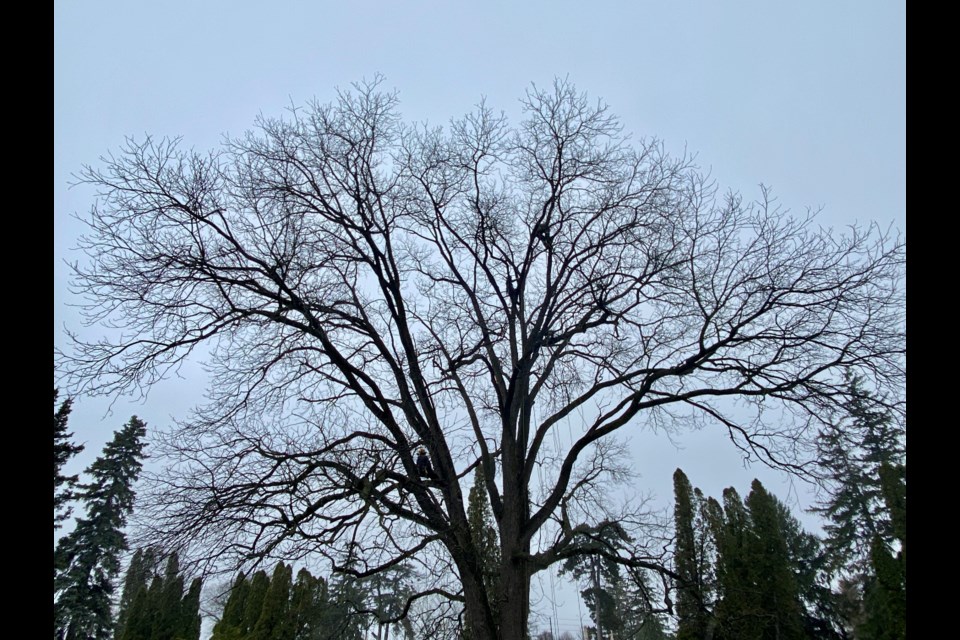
[[737, 608], [851, 454], [138, 623], [692, 560], [775, 582], [773, 577], [276, 605], [151, 610], [340, 619], [821, 607], [308, 602], [230, 625], [389, 592], [161, 611], [167, 620], [893, 484], [885, 601], [863, 458], [190, 620], [483, 530], [253, 605], [142, 569], [619, 603], [278, 608], [63, 450], [632, 597], [87, 560], [603, 580]]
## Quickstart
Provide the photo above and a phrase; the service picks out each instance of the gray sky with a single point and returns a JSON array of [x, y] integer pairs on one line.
[[807, 98]]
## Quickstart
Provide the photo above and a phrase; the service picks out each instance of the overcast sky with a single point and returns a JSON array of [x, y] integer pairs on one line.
[[805, 97]]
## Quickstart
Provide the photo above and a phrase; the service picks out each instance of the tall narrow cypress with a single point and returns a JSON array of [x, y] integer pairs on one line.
[[276, 606], [253, 606], [690, 560], [486, 540], [167, 620], [230, 625], [189, 625], [777, 595], [142, 569]]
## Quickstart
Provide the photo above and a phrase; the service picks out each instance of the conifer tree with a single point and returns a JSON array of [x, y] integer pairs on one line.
[[308, 601], [166, 622], [140, 572], [886, 592], [151, 611], [864, 509], [851, 454], [276, 606], [230, 625], [306, 609], [63, 450], [693, 560], [87, 560], [777, 595], [773, 577], [253, 606], [885, 599], [821, 606], [340, 619], [618, 601], [483, 530], [893, 484], [161, 611], [190, 620], [138, 623], [737, 607]]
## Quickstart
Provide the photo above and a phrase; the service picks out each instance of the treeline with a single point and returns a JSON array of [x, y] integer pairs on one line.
[[86, 561], [278, 607], [745, 569], [742, 568], [154, 604]]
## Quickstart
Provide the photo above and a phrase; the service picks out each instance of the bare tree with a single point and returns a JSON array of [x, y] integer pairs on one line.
[[505, 297]]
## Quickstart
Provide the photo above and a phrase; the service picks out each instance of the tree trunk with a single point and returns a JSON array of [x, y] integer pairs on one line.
[[478, 615], [515, 604], [514, 568]]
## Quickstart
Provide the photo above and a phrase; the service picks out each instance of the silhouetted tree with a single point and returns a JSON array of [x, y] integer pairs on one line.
[[618, 598], [694, 557], [63, 450], [140, 572], [778, 596], [368, 287], [191, 621], [851, 451], [862, 455], [308, 602], [276, 606], [160, 611], [231, 626], [484, 532], [885, 594], [87, 560]]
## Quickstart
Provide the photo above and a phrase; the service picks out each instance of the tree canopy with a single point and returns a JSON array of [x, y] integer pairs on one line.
[[513, 298]]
